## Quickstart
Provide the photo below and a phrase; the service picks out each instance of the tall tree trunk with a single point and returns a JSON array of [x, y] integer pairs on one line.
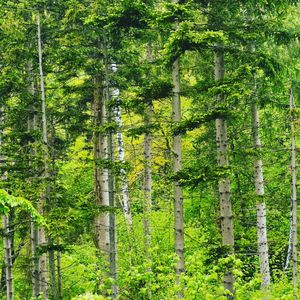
[[178, 196], [3, 177], [59, 275], [224, 183], [32, 126], [121, 158], [260, 206], [53, 290], [294, 196], [41, 206], [8, 258], [111, 176], [35, 260], [101, 185], [147, 185]]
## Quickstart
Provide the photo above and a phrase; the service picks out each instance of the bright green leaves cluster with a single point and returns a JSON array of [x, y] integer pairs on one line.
[[188, 37], [8, 201]]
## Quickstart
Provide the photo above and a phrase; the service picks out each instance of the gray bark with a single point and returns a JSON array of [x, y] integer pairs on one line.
[[35, 260], [224, 183], [41, 206], [33, 227], [7, 243], [178, 195], [111, 178], [294, 240], [52, 279], [121, 158], [101, 186], [147, 184], [59, 274], [260, 206]]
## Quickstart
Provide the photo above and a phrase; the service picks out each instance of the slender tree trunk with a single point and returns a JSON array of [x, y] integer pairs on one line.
[[3, 277], [121, 158], [3, 177], [294, 244], [59, 275], [35, 260], [111, 177], [41, 206], [101, 185], [32, 124], [147, 185], [224, 183], [53, 290], [178, 195], [260, 206], [8, 258]]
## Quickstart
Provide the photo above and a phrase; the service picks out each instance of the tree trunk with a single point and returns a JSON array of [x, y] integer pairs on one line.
[[41, 206], [8, 258], [3, 177], [59, 275], [147, 185], [35, 260], [224, 183], [121, 158], [32, 126], [178, 196], [260, 206], [53, 290], [111, 178], [294, 196], [101, 184]]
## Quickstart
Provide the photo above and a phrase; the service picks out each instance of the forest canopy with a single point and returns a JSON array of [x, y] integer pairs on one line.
[[148, 149]]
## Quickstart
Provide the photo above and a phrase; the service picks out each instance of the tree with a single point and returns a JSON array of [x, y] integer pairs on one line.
[[178, 197]]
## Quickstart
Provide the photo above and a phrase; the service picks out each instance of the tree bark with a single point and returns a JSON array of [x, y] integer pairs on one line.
[[260, 206], [294, 240], [41, 206], [224, 183], [35, 260], [8, 257], [111, 177], [59, 274], [178, 195], [147, 184], [121, 158], [32, 126], [53, 290], [101, 184]]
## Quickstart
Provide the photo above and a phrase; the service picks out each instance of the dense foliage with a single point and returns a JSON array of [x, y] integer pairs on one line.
[[123, 52]]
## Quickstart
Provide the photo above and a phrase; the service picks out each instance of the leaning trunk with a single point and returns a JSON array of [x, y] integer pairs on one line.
[[224, 182], [260, 206]]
